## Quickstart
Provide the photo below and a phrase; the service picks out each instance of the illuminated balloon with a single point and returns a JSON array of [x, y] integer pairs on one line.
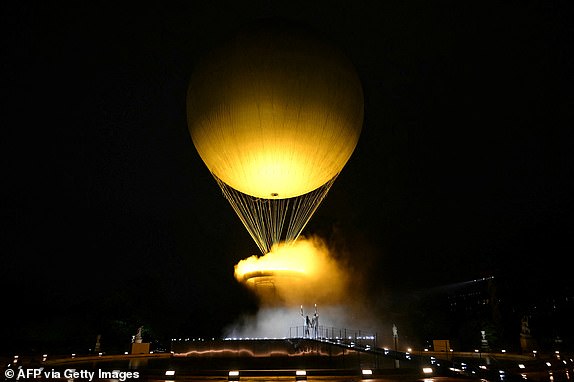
[[275, 113]]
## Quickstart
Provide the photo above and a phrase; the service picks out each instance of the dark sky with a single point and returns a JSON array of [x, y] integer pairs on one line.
[[463, 169]]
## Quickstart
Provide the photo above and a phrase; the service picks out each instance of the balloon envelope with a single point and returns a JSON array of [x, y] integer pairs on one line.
[[276, 112]]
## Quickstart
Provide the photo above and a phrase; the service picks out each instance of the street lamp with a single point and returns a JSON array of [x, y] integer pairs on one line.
[[396, 339]]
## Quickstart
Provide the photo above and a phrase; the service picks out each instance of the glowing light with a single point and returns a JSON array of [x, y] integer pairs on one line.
[[273, 137], [300, 372], [367, 372], [282, 136], [170, 372], [296, 272], [234, 373], [427, 370], [281, 259], [521, 366]]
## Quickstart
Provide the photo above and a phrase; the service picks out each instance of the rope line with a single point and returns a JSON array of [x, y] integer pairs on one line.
[[265, 219]]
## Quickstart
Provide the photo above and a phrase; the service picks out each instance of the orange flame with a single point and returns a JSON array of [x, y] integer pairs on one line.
[[300, 272]]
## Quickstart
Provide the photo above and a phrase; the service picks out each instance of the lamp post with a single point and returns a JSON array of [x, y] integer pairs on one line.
[[396, 339]]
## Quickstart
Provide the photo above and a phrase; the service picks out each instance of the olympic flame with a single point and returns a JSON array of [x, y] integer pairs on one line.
[[299, 271]]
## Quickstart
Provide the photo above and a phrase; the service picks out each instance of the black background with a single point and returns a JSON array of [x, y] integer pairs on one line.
[[110, 219]]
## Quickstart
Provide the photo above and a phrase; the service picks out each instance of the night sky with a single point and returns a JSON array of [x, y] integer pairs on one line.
[[109, 216]]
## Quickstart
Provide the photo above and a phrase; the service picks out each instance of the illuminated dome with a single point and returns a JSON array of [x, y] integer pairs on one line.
[[275, 112]]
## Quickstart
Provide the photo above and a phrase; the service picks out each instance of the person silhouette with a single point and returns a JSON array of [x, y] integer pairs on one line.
[[307, 325]]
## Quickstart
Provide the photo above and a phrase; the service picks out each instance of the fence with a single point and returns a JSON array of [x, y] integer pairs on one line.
[[336, 335]]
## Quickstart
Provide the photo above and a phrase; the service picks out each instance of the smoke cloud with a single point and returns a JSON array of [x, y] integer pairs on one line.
[[296, 278]]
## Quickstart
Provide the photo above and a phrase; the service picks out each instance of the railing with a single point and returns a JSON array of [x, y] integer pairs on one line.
[[335, 335]]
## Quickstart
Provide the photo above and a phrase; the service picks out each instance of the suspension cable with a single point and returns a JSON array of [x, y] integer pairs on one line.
[[265, 219]]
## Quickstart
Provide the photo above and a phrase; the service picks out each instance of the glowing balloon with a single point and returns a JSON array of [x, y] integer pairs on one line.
[[276, 112]]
